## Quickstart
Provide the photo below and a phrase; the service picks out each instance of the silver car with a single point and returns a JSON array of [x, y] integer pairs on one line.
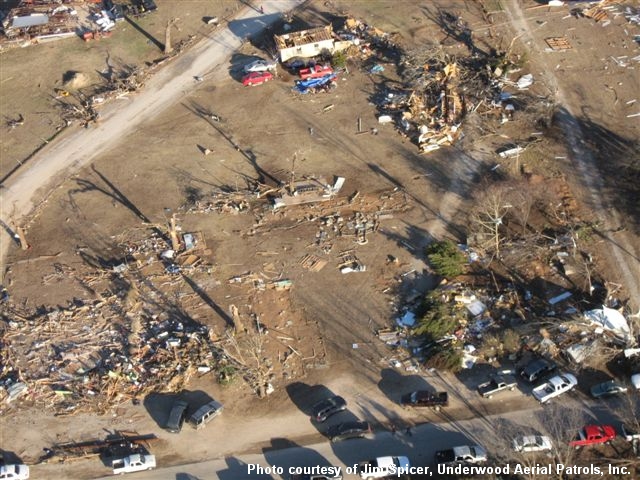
[[260, 66]]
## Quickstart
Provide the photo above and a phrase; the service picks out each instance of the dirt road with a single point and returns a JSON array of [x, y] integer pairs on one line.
[[624, 249], [22, 193]]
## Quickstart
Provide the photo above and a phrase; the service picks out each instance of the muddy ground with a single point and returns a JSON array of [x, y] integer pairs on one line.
[[160, 170]]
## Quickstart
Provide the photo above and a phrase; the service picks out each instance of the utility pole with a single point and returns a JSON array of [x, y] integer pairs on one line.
[[293, 173]]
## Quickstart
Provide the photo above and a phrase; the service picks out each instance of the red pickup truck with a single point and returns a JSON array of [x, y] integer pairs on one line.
[[316, 71], [594, 435]]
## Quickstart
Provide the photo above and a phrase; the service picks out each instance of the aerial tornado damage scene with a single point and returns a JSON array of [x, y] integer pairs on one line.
[[319, 240]]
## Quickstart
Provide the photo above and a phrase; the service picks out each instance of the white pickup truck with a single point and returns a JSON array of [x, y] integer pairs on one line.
[[555, 386], [133, 463], [14, 472], [383, 467]]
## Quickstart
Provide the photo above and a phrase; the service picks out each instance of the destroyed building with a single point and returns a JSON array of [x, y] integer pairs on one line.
[[308, 43]]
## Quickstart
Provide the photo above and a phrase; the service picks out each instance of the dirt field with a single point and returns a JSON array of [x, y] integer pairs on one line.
[[48, 65], [325, 324]]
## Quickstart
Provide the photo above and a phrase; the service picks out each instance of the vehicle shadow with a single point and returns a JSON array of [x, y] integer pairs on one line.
[[305, 397], [9, 458], [239, 469], [158, 405], [237, 63], [186, 476], [287, 454], [394, 385]]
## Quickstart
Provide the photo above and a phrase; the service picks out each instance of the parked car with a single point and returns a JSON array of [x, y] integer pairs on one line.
[[536, 370], [382, 467], [256, 78], [594, 435], [298, 63], [607, 389], [260, 66], [347, 430], [532, 443], [629, 434], [149, 5], [424, 398], [464, 455], [330, 406], [316, 71], [176, 416], [133, 463], [205, 414], [14, 472], [554, 387], [497, 384]]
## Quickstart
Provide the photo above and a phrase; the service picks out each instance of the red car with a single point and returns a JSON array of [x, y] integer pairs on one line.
[[594, 435], [316, 71], [256, 78]]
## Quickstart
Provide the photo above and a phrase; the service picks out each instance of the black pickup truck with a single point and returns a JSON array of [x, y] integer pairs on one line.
[[424, 398]]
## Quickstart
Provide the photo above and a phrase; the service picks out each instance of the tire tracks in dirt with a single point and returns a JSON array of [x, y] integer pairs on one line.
[[624, 253]]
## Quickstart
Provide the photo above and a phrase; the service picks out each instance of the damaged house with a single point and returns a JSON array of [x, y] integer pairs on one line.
[[308, 43]]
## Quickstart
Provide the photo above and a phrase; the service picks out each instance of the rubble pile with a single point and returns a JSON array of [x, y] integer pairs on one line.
[[440, 91], [31, 22], [94, 356], [483, 312]]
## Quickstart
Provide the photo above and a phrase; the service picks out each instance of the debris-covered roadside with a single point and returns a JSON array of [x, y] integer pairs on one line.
[[140, 334]]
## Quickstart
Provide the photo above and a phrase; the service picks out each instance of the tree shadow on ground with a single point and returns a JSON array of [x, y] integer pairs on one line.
[[617, 176]]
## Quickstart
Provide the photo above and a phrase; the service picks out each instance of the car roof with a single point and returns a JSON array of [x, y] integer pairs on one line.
[[329, 402], [8, 469], [536, 365], [597, 429], [351, 426]]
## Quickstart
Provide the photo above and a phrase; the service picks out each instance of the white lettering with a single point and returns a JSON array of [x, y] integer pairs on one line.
[[260, 470]]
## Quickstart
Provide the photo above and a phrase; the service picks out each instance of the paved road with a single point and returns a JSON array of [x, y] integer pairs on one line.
[[209, 59], [494, 433], [420, 447]]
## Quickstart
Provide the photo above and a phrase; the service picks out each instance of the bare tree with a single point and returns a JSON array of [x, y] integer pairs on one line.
[[492, 204], [562, 423]]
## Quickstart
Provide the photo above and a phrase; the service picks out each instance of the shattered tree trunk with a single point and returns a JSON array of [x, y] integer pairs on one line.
[[23, 239], [235, 315], [175, 241]]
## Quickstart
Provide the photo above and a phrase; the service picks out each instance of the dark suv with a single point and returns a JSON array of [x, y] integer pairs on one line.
[[536, 370], [347, 430], [324, 409], [176, 416]]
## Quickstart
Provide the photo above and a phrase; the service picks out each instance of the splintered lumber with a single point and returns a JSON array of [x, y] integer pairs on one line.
[[558, 43]]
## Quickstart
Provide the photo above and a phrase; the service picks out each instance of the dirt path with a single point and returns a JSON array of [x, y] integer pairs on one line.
[[22, 193], [624, 250]]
